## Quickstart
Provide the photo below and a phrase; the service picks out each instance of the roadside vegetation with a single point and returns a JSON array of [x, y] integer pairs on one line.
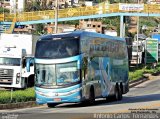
[[3, 10], [138, 72], [17, 96]]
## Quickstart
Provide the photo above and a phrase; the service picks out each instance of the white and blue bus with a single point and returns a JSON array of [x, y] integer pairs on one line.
[[79, 67]]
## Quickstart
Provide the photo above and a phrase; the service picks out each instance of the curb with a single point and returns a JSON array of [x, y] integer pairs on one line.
[[138, 81], [145, 77], [18, 105]]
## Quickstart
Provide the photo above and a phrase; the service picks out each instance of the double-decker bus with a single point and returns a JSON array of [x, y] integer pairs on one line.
[[79, 67]]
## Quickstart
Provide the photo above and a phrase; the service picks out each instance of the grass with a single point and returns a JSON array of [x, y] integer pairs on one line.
[[137, 72], [17, 96], [135, 75]]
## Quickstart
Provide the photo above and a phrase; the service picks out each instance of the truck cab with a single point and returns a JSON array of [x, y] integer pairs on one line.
[[137, 52], [12, 67], [15, 50]]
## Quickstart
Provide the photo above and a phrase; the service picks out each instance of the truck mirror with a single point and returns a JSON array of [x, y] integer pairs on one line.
[[29, 63]]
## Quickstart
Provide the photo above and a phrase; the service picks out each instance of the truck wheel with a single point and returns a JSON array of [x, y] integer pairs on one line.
[[25, 84], [31, 81], [51, 104]]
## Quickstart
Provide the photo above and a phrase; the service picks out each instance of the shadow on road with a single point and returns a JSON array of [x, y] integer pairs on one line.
[[143, 98], [126, 99]]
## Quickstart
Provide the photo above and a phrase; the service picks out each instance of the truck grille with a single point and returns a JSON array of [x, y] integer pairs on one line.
[[6, 76]]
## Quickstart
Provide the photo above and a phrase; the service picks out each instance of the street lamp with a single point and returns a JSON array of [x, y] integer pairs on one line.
[[56, 16]]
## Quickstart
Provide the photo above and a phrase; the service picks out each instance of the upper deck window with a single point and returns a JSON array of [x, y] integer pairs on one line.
[[57, 48]]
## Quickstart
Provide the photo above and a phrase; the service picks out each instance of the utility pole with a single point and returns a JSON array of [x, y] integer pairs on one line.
[[137, 37], [3, 9], [56, 17]]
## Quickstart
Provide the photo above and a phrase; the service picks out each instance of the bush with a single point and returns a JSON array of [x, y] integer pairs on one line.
[[17, 96], [137, 72], [4, 10], [135, 75]]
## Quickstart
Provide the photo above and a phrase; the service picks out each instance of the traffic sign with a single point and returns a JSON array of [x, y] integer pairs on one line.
[[151, 52]]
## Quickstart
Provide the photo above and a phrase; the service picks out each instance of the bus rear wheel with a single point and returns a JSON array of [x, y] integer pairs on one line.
[[118, 93], [51, 104]]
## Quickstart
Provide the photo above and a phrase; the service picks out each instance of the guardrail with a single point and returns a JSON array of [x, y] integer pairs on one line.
[[102, 8]]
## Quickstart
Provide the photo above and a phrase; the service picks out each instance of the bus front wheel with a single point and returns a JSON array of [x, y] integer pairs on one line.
[[51, 104]]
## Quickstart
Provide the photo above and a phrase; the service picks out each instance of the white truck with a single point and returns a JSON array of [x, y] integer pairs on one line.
[[15, 50], [137, 56]]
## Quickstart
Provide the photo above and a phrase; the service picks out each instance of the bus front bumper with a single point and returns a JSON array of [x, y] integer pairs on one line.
[[65, 97]]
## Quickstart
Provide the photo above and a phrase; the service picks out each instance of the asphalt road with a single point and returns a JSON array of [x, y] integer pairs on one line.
[[140, 102]]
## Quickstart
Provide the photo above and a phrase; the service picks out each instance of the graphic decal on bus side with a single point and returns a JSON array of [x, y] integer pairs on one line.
[[104, 65]]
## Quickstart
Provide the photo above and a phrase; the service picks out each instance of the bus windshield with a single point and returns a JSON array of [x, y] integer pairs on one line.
[[60, 48], [10, 61], [56, 74]]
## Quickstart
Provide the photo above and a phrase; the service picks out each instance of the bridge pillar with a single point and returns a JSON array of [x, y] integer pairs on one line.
[[122, 26]]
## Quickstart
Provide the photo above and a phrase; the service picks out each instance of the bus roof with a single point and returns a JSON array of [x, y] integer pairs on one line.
[[78, 34]]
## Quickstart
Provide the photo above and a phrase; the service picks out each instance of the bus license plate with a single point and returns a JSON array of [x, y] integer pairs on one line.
[[57, 99]]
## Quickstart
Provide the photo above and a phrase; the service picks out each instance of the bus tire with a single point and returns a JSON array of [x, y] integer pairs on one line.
[[118, 93], [91, 96], [51, 104]]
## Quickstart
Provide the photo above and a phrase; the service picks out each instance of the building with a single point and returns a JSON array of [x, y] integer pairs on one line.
[[91, 25], [13, 5], [61, 28]]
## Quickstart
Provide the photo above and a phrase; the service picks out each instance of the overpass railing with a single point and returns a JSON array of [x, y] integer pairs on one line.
[[103, 8]]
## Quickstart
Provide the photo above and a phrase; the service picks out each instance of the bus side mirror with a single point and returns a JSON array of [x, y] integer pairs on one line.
[[29, 63]]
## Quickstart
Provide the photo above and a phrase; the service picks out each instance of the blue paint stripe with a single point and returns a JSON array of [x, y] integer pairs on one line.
[[54, 61]]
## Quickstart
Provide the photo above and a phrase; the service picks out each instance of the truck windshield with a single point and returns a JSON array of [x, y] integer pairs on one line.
[[56, 74], [134, 49], [60, 48], [10, 61]]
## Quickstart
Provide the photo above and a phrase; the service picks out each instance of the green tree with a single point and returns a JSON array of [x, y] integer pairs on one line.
[[32, 6], [39, 29], [3, 10]]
